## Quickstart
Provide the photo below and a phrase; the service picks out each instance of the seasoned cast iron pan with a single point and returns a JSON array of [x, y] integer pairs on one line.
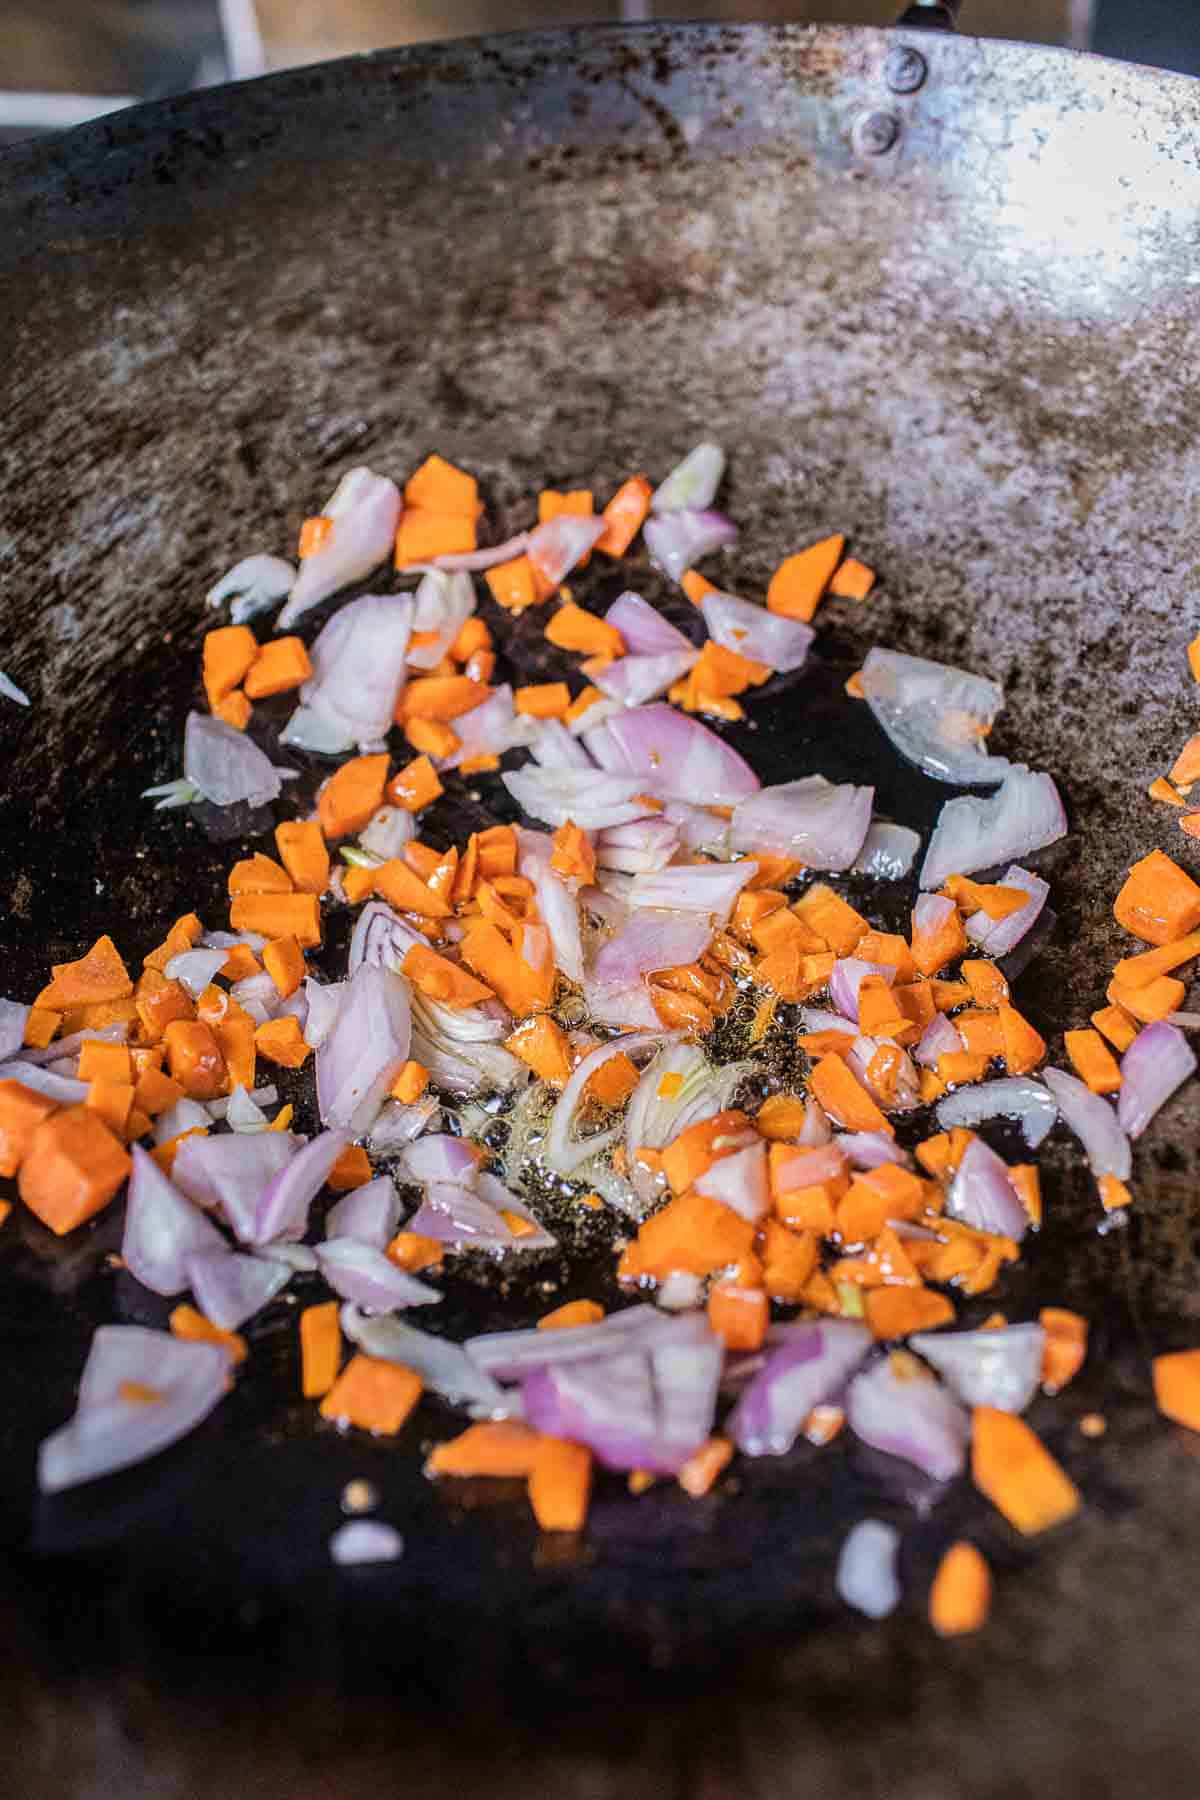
[[959, 321]]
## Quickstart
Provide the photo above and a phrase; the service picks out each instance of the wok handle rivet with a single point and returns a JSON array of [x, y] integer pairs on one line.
[[875, 133], [905, 69]]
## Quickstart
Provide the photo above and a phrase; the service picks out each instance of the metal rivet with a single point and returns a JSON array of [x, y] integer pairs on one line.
[[875, 133], [905, 69]]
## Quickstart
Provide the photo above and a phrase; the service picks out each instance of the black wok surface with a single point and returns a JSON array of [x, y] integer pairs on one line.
[[556, 258]]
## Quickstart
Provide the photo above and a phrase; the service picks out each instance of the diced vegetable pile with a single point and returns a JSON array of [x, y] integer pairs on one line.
[[615, 978]]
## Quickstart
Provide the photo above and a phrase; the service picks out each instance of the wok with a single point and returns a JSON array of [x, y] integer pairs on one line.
[[958, 320]]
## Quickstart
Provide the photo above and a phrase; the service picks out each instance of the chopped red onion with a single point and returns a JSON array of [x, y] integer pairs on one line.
[[556, 545], [388, 832], [819, 1018], [871, 1149], [849, 973], [1155, 1064], [228, 940], [644, 630], [590, 798], [909, 1416], [904, 1093], [936, 716], [739, 1181], [254, 585], [68, 1046], [816, 1129], [692, 482], [241, 1111], [709, 888], [108, 1432], [13, 1017], [442, 605], [309, 728], [381, 940], [324, 1000], [1024, 814], [1014, 1097], [678, 540], [940, 1037], [560, 915], [298, 1259], [465, 1219], [230, 1288], [553, 746], [808, 1167], [162, 1229], [999, 936], [810, 1366], [766, 637], [648, 1410], [999, 1367], [360, 665], [365, 510], [982, 1194], [225, 765], [868, 1576], [474, 562], [930, 913], [565, 1153], [626, 1009], [675, 756], [654, 1119], [195, 969], [593, 716], [489, 729], [511, 1355], [464, 1066], [888, 852], [698, 828], [185, 1115], [652, 940], [639, 848], [364, 1541], [282, 1210], [366, 1049], [11, 691], [679, 1292], [397, 1125], [633, 680], [821, 825], [370, 1214], [363, 1274], [1094, 1123], [443, 1366]]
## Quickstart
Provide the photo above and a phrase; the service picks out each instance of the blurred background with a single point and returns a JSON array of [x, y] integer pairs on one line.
[[68, 60]]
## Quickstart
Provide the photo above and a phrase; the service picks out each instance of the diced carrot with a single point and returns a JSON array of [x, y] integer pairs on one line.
[[560, 1484], [441, 487], [949, 994], [1093, 1061], [351, 1170], [156, 1093], [515, 585], [812, 1208], [1065, 1347], [852, 580], [1186, 767], [696, 586], [1159, 902], [1016, 1472], [40, 1027], [1024, 1048], [164, 1154], [692, 1233], [845, 1099], [1193, 653], [280, 1041], [739, 1315], [283, 960], [578, 502], [890, 948], [1177, 1387], [374, 1395], [194, 1058], [798, 584], [624, 515], [352, 794], [188, 1323], [240, 963], [542, 1044], [320, 1349], [228, 654], [571, 628], [139, 1125], [98, 976], [486, 763], [613, 1082], [281, 665], [313, 533], [872, 1200], [680, 1012], [895, 1312], [1113, 1193], [720, 673], [279, 915], [473, 636], [22, 1110], [1160, 789], [113, 1102], [440, 697], [582, 703], [523, 986], [503, 1449], [358, 884], [1139, 971], [1028, 1184], [933, 1154], [412, 1251], [112, 1061], [442, 980], [932, 950], [234, 710], [781, 1117], [573, 856], [550, 700], [417, 784], [988, 986], [1153, 1001], [405, 890], [71, 1168], [702, 1144], [789, 1258], [410, 1083], [1114, 1023], [697, 1475], [259, 874], [301, 846], [961, 1596], [980, 1032], [425, 532], [832, 918], [878, 1014], [573, 1313], [994, 899], [429, 737]]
